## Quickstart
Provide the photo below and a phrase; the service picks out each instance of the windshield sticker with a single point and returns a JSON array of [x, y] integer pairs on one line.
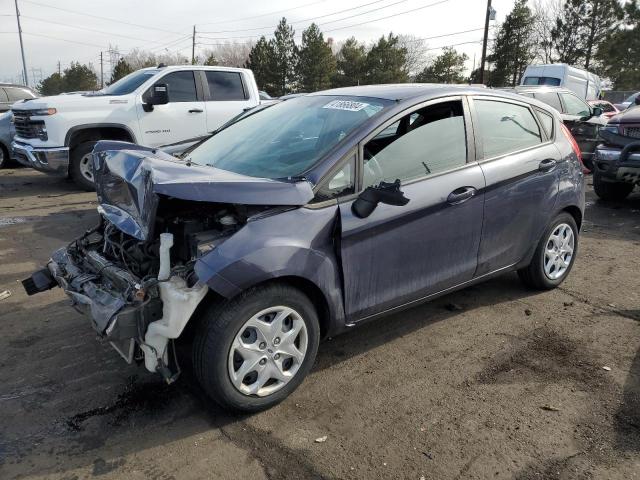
[[348, 105]]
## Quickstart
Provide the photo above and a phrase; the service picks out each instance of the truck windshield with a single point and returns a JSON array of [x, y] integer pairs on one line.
[[286, 139], [551, 81], [128, 84]]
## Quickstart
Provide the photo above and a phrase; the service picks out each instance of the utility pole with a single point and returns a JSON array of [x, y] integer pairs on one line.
[[484, 42], [193, 47], [101, 73], [24, 63]]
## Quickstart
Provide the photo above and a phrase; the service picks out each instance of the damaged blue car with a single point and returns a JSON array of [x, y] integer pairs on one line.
[[312, 216]]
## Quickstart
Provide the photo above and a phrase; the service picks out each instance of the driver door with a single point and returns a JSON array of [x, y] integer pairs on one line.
[[182, 118], [400, 254]]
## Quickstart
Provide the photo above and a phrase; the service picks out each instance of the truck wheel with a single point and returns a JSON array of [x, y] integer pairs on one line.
[[251, 352], [554, 256], [81, 169], [611, 190], [4, 157]]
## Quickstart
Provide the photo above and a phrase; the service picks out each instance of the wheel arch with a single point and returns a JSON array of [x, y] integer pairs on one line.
[[98, 131], [576, 213]]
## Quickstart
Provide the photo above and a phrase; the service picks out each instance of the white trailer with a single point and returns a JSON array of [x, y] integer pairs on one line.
[[581, 82]]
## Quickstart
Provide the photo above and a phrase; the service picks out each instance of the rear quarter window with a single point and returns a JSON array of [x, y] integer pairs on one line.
[[505, 127]]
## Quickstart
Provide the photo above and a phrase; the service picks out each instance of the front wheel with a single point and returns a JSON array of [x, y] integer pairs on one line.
[[4, 157], [610, 190], [554, 255], [251, 352], [81, 165]]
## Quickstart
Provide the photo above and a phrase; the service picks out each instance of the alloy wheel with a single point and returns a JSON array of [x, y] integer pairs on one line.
[[558, 252], [85, 167], [268, 351]]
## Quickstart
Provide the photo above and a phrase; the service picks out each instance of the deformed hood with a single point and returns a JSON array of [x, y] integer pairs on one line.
[[129, 179]]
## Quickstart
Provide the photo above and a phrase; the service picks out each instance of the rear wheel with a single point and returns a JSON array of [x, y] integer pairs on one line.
[[253, 351], [610, 190], [554, 255], [81, 165]]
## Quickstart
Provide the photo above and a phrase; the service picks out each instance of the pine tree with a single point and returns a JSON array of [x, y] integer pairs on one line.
[[316, 65], [52, 85], [350, 64], [122, 69], [261, 60], [211, 60], [386, 61], [79, 77], [514, 46], [618, 54], [448, 67], [285, 58]]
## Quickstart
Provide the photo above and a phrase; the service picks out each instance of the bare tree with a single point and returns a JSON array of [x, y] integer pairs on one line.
[[416, 58], [138, 58], [545, 13], [230, 54]]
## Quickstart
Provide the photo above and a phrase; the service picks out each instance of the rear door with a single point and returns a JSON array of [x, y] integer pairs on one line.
[[226, 96], [520, 165], [182, 118], [401, 254]]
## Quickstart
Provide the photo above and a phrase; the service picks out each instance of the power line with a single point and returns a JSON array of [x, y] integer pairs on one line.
[[388, 16], [264, 14], [453, 45], [64, 39], [314, 18], [91, 29], [100, 17]]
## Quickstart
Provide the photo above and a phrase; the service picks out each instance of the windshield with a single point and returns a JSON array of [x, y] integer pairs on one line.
[[555, 82], [286, 139], [129, 83]]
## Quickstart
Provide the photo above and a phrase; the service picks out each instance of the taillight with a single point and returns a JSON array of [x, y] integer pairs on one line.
[[574, 145]]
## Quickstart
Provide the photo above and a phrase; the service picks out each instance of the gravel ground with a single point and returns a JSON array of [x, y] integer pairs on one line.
[[495, 381]]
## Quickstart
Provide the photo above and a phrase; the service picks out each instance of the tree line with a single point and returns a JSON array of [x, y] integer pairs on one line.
[[602, 36]]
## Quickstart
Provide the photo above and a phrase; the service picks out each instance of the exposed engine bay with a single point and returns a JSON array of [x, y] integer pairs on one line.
[[140, 294]]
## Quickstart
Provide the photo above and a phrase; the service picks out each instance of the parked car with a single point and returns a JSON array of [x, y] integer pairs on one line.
[[583, 121], [581, 82], [152, 106], [6, 134], [617, 160], [10, 94], [310, 218], [608, 109], [628, 102]]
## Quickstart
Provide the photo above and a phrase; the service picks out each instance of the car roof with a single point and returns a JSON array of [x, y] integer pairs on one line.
[[541, 88], [15, 85], [195, 67], [411, 91]]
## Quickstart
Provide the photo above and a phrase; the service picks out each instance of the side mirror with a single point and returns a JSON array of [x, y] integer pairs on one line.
[[159, 96], [368, 200], [596, 111]]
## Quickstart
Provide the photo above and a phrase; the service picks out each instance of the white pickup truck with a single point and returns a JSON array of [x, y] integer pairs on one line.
[[152, 106]]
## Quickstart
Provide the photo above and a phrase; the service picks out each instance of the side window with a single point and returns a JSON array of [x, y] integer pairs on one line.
[[505, 127], [575, 106], [339, 183], [546, 119], [550, 98], [428, 141], [16, 94], [182, 86], [225, 85]]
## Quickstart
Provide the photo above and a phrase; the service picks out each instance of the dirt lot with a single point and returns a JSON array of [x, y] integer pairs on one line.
[[435, 392]]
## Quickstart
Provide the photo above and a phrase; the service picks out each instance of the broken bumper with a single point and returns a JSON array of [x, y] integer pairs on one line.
[[49, 160], [617, 164], [101, 291]]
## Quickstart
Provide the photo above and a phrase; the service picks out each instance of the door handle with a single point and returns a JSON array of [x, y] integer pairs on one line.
[[196, 110], [546, 165], [460, 195]]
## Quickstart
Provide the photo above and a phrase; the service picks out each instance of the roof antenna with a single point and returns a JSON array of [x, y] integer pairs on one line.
[[162, 65]]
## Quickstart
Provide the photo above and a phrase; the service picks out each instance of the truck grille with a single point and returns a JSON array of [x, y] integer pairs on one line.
[[633, 132], [25, 127]]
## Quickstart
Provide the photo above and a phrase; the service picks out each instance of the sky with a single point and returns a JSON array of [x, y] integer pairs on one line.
[[78, 30]]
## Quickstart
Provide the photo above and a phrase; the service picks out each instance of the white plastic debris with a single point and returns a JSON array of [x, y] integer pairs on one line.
[[321, 439], [5, 294], [608, 369]]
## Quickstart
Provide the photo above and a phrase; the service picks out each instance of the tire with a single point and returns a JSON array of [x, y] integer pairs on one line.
[[81, 172], [611, 190], [219, 340], [535, 275], [4, 157]]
